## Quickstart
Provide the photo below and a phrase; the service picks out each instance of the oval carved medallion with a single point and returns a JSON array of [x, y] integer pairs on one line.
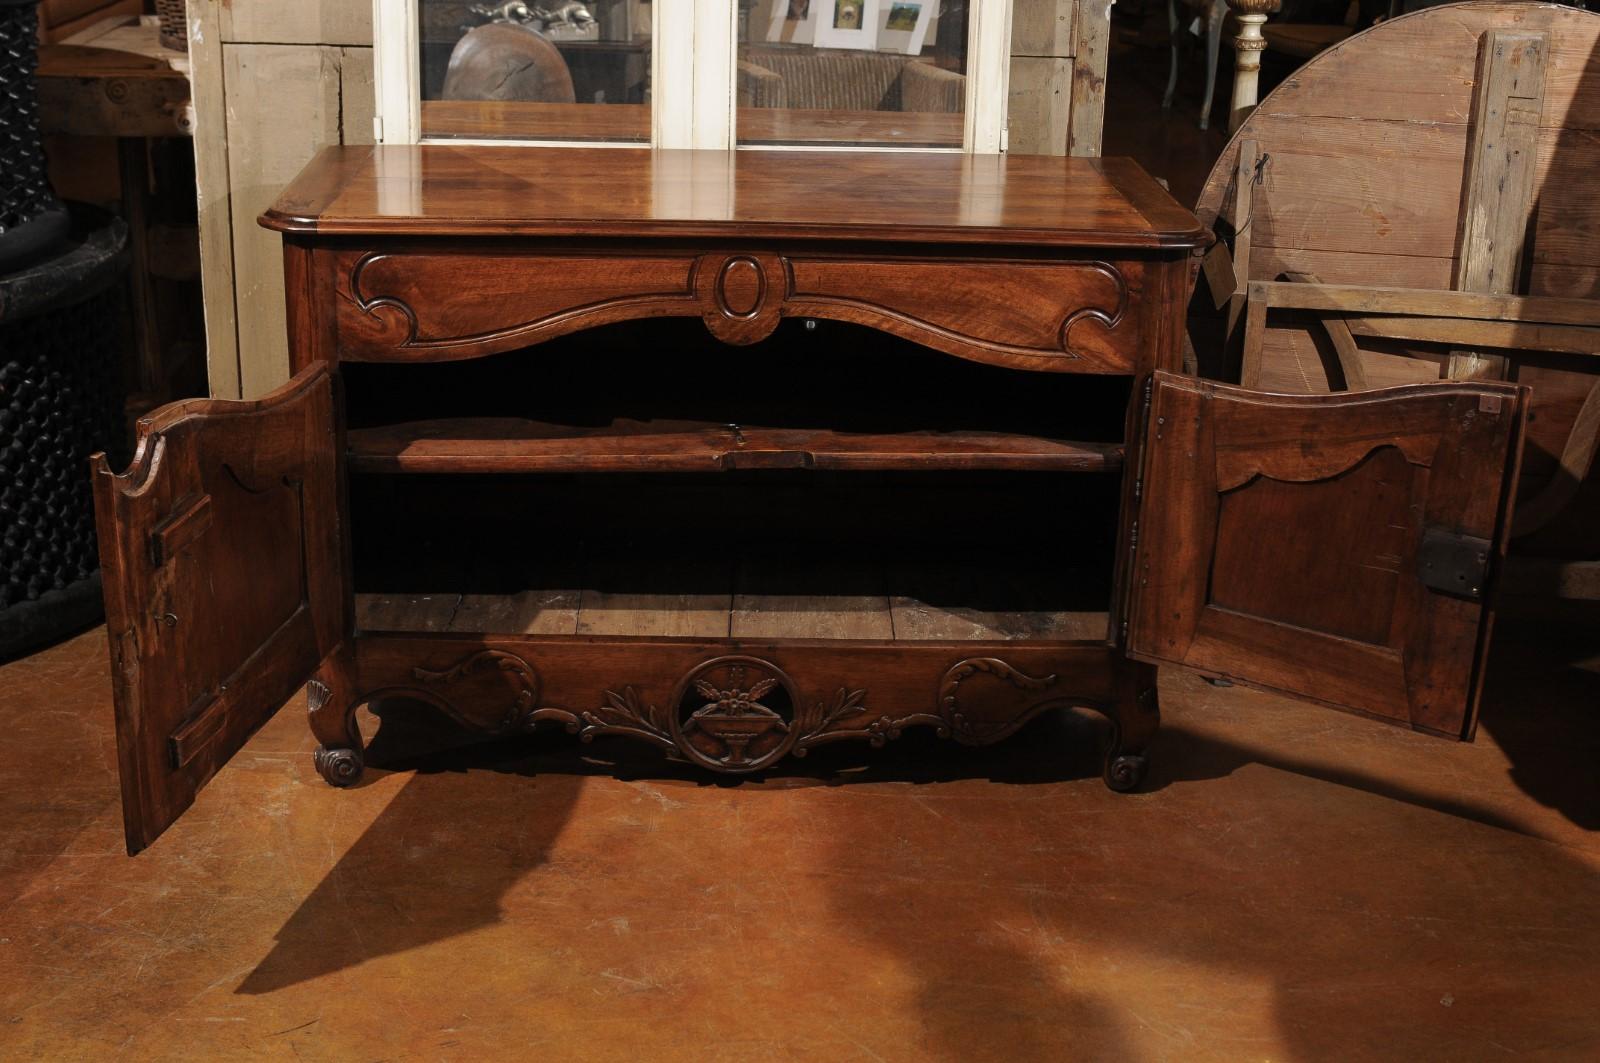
[[741, 287]]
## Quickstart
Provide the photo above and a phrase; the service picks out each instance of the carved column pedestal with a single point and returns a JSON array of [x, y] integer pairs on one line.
[[1247, 47]]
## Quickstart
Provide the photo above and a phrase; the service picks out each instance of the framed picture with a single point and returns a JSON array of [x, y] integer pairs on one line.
[[794, 21], [846, 23], [903, 25]]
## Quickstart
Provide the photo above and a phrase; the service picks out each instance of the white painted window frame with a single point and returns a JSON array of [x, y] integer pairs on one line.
[[692, 73]]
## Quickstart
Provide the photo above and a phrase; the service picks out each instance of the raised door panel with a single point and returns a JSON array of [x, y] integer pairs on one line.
[[221, 559], [1338, 547]]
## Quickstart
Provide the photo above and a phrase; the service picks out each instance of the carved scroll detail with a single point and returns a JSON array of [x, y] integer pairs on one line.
[[669, 289], [487, 675], [976, 727]]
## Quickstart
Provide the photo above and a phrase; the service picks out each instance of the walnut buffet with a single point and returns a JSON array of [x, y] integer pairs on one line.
[[742, 454]]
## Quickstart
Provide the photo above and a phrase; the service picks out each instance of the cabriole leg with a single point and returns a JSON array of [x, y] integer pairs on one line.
[[1136, 718], [332, 702]]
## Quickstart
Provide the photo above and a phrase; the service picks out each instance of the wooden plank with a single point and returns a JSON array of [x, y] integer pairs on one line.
[[514, 444], [530, 612], [1503, 335], [212, 201], [1423, 302], [787, 596], [1499, 192], [1244, 198], [955, 600], [1378, 188], [1568, 281], [1255, 327], [1351, 267], [656, 596], [1293, 361], [1042, 28], [358, 97], [1426, 73], [1040, 105], [405, 612], [1091, 50], [1577, 458], [1567, 220], [265, 153], [92, 23], [321, 22]]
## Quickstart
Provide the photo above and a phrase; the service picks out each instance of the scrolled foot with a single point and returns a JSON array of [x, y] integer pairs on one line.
[[338, 767], [1125, 773]]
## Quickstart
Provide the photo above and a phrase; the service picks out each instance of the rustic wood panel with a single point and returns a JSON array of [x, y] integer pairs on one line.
[[781, 595], [265, 152], [321, 22], [531, 612], [1091, 52], [406, 612], [1039, 113], [1430, 64], [656, 595], [60, 20], [209, 94], [1042, 27]]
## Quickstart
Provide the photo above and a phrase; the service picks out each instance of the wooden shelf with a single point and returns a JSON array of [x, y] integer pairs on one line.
[[516, 445], [772, 595]]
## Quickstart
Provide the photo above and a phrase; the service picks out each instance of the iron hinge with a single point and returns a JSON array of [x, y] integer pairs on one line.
[[1454, 563]]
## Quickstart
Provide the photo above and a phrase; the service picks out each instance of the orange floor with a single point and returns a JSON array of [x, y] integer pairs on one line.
[[1295, 884]]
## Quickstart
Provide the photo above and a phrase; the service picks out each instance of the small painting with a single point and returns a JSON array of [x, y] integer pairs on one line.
[[903, 25], [848, 23], [903, 16]]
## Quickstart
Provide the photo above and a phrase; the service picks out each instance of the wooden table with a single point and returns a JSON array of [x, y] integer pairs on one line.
[[744, 454]]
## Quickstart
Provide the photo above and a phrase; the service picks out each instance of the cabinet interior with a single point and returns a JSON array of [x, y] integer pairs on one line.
[[958, 509], [662, 395]]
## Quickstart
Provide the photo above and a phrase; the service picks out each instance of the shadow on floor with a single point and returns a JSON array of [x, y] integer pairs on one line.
[[423, 873]]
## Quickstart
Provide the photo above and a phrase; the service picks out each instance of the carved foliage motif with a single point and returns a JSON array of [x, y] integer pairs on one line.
[[738, 713]]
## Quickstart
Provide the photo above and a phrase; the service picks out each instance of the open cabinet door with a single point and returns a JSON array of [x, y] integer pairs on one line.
[[221, 560], [1338, 547]]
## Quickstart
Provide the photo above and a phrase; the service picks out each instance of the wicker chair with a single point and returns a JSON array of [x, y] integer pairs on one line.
[[842, 80]]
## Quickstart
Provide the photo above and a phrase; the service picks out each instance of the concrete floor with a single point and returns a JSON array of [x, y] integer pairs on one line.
[[1295, 884]]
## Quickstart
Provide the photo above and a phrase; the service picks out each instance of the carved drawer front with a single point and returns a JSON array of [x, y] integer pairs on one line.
[[1031, 315], [1082, 316], [435, 306]]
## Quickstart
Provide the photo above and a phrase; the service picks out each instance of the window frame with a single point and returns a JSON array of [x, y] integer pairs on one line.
[[693, 60]]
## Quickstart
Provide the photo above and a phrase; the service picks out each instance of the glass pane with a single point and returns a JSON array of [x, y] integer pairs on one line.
[[852, 72], [570, 71]]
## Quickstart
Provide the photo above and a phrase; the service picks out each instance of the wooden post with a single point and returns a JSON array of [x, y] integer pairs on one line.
[[1091, 46], [1247, 47], [1040, 91], [1497, 199]]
